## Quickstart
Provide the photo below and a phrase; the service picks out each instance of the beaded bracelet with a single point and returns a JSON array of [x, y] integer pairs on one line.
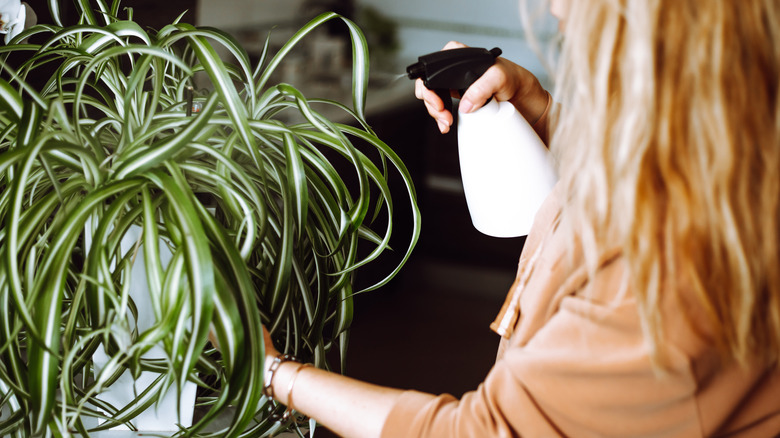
[[268, 389]]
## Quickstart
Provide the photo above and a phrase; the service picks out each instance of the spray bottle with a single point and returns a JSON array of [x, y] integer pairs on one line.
[[505, 167]]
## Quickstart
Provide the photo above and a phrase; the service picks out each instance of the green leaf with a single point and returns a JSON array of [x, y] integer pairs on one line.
[[154, 269], [89, 13], [113, 33], [49, 286], [10, 101], [54, 10], [150, 157], [198, 261], [296, 183], [219, 36], [225, 89]]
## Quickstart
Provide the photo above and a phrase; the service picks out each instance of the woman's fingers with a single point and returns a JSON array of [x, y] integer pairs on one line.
[[434, 105], [496, 81], [433, 102], [270, 350], [505, 80], [454, 45]]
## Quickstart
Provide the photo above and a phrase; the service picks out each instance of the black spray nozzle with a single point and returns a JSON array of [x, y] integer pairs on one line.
[[454, 69]]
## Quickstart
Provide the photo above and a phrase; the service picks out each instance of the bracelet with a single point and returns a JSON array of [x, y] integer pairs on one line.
[[288, 411], [268, 389], [546, 110]]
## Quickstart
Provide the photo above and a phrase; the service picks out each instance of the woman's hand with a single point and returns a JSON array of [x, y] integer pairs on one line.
[[270, 351], [346, 406], [504, 81]]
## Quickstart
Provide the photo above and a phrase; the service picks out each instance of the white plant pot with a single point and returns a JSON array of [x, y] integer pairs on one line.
[[172, 410]]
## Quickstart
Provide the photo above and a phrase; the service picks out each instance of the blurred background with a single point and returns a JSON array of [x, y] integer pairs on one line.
[[428, 329]]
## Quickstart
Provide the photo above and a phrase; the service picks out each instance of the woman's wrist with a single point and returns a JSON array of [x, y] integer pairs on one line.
[[281, 375], [535, 106], [542, 119], [272, 365], [290, 386], [346, 406]]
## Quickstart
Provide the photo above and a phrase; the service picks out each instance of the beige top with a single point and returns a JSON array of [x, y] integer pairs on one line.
[[578, 366]]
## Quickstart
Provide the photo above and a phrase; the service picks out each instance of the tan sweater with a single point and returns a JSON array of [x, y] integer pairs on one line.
[[578, 366]]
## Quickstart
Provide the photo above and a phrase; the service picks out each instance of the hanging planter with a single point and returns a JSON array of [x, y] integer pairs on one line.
[[254, 212]]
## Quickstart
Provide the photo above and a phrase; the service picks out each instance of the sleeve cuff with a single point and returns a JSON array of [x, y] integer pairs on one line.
[[404, 417]]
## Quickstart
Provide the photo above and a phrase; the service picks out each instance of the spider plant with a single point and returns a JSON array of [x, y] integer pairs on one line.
[[256, 212]]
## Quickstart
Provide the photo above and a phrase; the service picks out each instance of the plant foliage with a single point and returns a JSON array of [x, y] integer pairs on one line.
[[261, 225]]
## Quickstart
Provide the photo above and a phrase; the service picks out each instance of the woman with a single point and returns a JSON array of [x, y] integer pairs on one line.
[[647, 300]]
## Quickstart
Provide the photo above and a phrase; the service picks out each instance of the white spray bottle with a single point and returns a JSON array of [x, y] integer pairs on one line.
[[505, 167]]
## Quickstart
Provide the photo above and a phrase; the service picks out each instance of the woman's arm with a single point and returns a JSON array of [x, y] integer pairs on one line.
[[346, 406], [577, 365]]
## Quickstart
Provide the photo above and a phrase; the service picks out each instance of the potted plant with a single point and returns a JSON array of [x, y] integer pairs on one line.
[[251, 212]]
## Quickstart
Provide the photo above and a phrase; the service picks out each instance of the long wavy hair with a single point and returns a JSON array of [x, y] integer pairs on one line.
[[668, 143]]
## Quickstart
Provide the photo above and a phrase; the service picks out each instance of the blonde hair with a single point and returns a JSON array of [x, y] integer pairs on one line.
[[668, 142]]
